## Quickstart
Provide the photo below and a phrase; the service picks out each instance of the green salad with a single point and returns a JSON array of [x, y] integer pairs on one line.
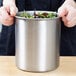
[[38, 15]]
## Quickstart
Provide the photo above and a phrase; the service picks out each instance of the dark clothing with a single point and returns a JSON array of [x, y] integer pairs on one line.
[[68, 35], [7, 41]]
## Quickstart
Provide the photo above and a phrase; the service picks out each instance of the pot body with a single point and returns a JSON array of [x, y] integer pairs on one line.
[[37, 44]]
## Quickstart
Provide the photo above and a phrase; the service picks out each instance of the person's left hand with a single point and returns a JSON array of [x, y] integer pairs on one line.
[[68, 13]]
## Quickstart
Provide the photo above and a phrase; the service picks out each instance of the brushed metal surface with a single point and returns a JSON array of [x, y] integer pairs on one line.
[[37, 44]]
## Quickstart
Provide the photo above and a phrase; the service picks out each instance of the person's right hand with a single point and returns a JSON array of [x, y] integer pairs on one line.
[[7, 12]]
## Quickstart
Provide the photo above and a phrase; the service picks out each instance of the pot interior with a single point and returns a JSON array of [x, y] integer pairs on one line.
[[33, 13]]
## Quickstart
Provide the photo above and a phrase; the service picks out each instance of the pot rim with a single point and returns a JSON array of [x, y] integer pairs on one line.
[[23, 18]]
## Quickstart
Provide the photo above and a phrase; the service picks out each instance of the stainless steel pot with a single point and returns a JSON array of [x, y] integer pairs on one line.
[[37, 43]]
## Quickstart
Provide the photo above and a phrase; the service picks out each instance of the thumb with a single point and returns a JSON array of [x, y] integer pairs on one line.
[[13, 10], [62, 11]]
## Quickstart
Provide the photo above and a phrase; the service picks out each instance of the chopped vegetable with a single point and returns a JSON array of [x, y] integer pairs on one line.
[[38, 15]]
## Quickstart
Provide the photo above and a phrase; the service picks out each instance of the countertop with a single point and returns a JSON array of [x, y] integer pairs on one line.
[[67, 67]]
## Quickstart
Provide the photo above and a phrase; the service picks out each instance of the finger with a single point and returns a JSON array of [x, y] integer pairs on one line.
[[4, 13], [13, 10], [5, 18], [7, 8], [62, 11], [72, 22], [6, 22], [64, 20], [71, 17]]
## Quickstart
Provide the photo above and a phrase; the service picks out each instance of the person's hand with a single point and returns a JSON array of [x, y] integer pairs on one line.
[[5, 18], [7, 12], [68, 13], [10, 6]]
